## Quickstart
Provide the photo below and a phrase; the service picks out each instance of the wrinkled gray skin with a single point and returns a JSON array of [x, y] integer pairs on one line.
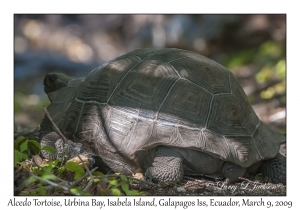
[[166, 113]]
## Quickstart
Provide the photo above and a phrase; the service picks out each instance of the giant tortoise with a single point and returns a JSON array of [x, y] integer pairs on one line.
[[164, 112]]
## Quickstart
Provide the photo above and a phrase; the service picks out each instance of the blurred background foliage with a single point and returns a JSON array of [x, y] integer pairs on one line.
[[253, 47]]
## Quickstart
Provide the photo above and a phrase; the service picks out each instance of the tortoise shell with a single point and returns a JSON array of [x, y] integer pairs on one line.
[[170, 97]]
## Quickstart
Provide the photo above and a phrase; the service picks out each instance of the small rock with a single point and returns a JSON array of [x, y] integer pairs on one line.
[[138, 176], [181, 189], [77, 160]]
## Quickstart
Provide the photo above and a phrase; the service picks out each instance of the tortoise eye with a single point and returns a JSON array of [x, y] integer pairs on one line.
[[51, 79]]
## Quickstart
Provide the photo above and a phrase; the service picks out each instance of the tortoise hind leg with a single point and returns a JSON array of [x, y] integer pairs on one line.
[[167, 166], [274, 170], [232, 172]]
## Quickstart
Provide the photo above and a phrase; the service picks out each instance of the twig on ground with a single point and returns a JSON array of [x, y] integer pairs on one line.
[[128, 177], [83, 177], [53, 184], [250, 181], [191, 178]]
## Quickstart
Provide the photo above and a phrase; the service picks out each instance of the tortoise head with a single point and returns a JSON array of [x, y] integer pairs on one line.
[[55, 81]]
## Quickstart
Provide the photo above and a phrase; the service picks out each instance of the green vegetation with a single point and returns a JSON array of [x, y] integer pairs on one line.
[[269, 60], [24, 147], [50, 177]]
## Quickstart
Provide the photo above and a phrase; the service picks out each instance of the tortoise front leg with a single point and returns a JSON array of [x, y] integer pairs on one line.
[[64, 150]]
